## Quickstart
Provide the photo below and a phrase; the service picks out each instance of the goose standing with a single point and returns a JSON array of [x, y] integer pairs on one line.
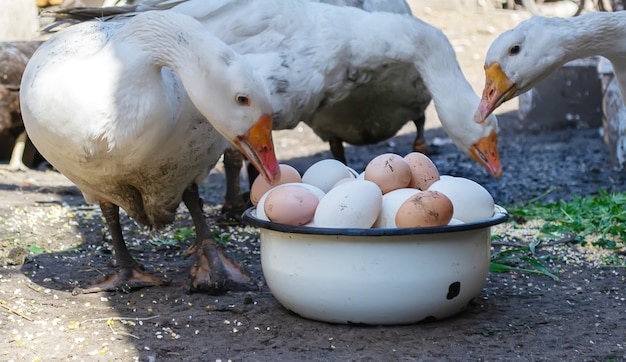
[[354, 109], [353, 76], [520, 58], [136, 112]]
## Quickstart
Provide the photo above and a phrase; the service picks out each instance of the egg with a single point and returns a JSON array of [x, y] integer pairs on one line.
[[389, 171], [424, 209], [325, 173], [260, 207], [342, 181], [471, 201], [390, 205], [423, 171], [353, 172], [260, 186], [353, 204], [291, 205]]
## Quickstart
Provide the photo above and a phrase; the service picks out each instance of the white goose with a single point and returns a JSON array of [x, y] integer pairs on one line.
[[136, 112], [523, 56], [353, 76]]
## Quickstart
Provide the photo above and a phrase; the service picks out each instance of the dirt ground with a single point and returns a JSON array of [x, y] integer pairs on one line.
[[45, 223]]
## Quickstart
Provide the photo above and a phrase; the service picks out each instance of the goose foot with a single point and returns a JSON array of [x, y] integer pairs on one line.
[[16, 163], [129, 274], [214, 273], [125, 279], [190, 251], [14, 167]]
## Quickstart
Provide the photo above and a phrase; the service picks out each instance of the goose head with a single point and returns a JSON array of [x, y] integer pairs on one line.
[[241, 99], [518, 59], [478, 141], [485, 150], [220, 83]]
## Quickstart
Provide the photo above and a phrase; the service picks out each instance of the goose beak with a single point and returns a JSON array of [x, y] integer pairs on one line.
[[485, 152], [258, 148], [498, 89]]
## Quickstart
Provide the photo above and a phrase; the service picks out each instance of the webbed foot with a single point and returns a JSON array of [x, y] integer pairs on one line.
[[213, 272], [125, 279]]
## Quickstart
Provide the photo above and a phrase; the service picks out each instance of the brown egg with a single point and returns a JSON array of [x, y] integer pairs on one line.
[[260, 185], [389, 171], [291, 205], [426, 208], [423, 171]]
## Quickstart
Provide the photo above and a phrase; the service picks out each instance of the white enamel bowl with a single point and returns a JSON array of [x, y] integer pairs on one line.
[[375, 276]]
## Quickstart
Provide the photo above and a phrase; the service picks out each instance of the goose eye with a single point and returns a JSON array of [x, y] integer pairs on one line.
[[514, 49], [243, 100]]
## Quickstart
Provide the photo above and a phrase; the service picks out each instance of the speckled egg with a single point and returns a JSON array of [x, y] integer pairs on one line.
[[423, 171], [390, 205], [389, 171], [425, 209]]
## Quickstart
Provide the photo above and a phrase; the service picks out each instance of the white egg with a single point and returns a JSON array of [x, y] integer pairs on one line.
[[390, 205], [445, 177], [343, 180], [350, 205], [353, 171], [325, 173], [454, 221], [471, 201], [260, 207]]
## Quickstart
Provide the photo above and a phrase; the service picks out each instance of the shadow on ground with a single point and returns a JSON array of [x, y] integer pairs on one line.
[[517, 316]]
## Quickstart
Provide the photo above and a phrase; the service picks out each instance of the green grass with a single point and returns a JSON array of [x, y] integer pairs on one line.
[[504, 261], [180, 235], [602, 215]]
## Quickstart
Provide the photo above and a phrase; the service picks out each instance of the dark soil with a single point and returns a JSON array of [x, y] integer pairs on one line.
[[518, 316]]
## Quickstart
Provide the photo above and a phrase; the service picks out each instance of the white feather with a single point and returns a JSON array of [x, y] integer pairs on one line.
[[348, 73], [134, 111]]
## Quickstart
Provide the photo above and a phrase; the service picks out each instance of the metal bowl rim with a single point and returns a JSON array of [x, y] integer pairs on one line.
[[500, 215]]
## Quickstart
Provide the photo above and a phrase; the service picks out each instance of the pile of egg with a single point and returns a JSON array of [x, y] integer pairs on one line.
[[392, 192]]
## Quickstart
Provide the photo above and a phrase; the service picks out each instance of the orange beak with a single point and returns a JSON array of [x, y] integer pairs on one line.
[[485, 152], [258, 148], [498, 89]]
